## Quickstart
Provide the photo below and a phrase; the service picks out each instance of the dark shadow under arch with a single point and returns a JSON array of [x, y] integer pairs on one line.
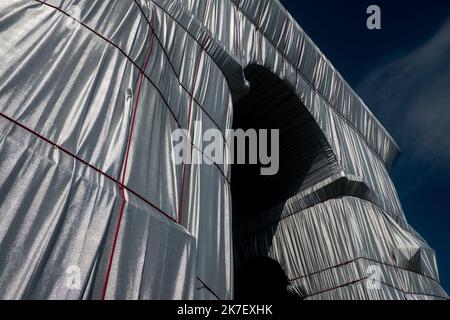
[[305, 157], [275, 286]]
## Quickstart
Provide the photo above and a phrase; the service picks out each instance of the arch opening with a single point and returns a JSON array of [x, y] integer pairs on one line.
[[274, 287], [304, 160]]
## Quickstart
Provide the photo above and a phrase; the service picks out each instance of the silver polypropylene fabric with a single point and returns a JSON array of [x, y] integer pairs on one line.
[[90, 92]]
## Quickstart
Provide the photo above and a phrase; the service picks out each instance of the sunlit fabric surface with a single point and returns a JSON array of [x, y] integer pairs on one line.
[[90, 92]]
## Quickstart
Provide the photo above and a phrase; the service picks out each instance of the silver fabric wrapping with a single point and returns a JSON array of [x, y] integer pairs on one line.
[[77, 189]]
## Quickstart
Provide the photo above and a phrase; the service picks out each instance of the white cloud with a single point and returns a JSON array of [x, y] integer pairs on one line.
[[411, 96]]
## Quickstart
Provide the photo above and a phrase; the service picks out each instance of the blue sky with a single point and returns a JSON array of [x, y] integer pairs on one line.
[[402, 72]]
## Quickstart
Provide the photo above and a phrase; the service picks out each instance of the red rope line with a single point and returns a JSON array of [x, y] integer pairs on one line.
[[204, 285], [171, 63], [381, 282], [367, 259], [125, 165], [337, 287], [311, 85], [77, 158], [162, 96], [169, 217], [291, 63], [140, 69], [122, 186]]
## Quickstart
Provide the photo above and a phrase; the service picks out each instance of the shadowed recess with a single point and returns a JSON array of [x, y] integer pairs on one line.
[[304, 154]]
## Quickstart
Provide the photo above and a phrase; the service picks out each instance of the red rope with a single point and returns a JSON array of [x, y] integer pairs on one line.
[[139, 68], [381, 282], [124, 170], [367, 259], [204, 285]]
